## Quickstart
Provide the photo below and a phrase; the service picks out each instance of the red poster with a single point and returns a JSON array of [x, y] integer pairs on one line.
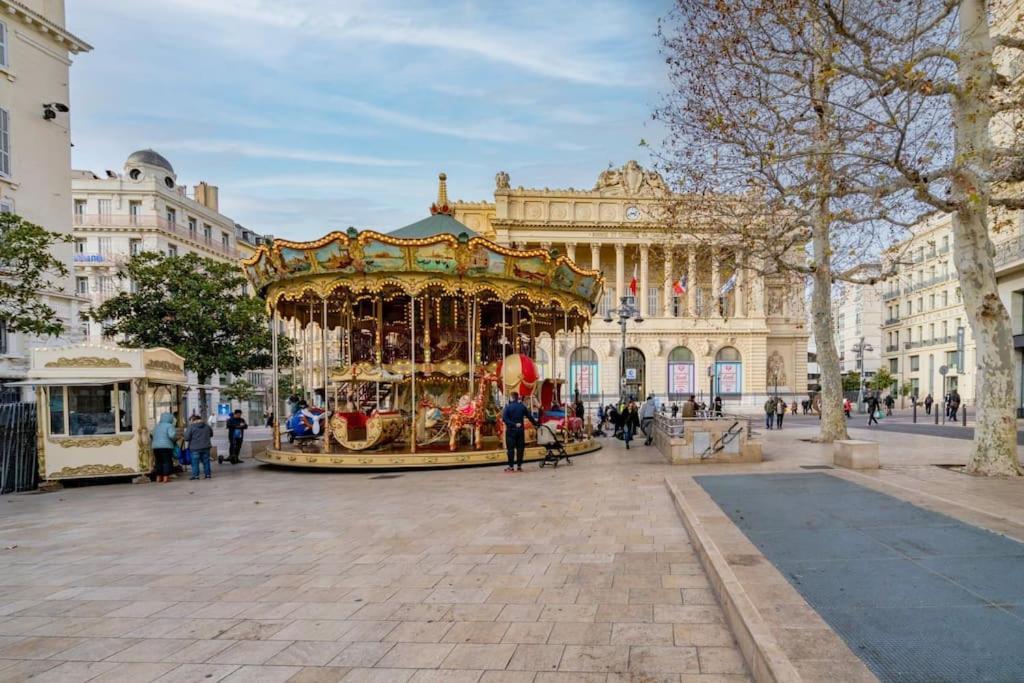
[[680, 378], [728, 380]]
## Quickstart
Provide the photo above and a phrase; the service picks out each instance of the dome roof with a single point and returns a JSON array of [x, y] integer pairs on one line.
[[150, 158]]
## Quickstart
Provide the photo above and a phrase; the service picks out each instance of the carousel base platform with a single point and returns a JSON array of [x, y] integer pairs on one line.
[[392, 459]]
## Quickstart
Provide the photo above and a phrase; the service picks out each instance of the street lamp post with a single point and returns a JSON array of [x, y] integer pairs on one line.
[[625, 312], [860, 348]]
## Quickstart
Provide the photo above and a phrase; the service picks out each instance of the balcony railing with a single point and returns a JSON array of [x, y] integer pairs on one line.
[[892, 348], [152, 221], [1009, 251], [892, 321], [892, 294]]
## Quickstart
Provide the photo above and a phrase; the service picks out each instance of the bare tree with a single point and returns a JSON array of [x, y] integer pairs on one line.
[[774, 144], [936, 59]]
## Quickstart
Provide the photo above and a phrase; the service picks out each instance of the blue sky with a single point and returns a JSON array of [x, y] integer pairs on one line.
[[313, 115]]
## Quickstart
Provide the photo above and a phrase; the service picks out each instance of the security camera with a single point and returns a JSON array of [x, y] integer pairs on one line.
[[59, 106]]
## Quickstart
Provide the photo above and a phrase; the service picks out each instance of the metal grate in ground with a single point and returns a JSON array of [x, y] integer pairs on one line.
[[917, 595]]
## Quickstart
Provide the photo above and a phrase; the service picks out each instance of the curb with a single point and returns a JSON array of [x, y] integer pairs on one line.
[[765, 660]]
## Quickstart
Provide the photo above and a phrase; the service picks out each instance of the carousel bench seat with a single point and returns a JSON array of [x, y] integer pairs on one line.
[[355, 423], [358, 431]]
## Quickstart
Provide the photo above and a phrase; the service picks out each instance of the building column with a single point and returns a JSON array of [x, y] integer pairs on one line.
[[595, 257], [716, 284], [740, 309], [691, 281], [570, 251], [667, 293], [620, 272], [757, 295], [644, 285]]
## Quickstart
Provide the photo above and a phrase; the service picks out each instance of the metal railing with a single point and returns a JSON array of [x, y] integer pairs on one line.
[[892, 348], [1009, 251], [676, 426], [891, 321], [152, 221], [18, 458]]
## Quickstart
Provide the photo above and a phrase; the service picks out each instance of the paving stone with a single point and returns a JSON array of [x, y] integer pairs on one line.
[[416, 655], [594, 658], [536, 657], [645, 659], [472, 656]]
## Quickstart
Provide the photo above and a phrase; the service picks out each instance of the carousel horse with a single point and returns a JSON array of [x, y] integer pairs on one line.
[[430, 424], [470, 413]]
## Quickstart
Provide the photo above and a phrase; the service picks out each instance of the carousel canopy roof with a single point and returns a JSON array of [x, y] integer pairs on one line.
[[439, 222]]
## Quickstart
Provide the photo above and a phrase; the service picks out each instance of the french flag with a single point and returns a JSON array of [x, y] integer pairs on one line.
[[679, 286], [633, 282]]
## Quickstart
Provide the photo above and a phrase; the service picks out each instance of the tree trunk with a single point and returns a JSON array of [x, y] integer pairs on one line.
[[995, 431], [833, 421], [204, 411]]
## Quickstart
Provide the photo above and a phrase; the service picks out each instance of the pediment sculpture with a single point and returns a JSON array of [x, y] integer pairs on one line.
[[632, 180]]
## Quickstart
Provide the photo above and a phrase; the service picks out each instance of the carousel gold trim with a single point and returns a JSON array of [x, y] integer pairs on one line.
[[163, 365], [93, 471], [88, 362], [89, 441], [395, 460]]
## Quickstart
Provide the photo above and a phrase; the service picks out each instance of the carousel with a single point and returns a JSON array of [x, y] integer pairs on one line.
[[412, 342]]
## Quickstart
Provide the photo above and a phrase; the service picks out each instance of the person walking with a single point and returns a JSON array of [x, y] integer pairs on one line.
[[165, 434], [889, 403], [236, 426], [954, 404], [847, 407], [718, 406], [780, 412], [514, 417], [873, 409], [675, 410], [647, 412], [690, 407], [928, 401], [769, 412], [630, 423], [198, 437]]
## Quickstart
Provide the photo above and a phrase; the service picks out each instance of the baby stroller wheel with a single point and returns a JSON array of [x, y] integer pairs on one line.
[[220, 459]]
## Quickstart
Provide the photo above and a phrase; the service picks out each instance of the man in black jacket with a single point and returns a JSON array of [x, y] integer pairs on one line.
[[514, 417], [236, 432]]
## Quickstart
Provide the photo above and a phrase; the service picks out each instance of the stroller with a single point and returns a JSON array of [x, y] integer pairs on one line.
[[554, 448]]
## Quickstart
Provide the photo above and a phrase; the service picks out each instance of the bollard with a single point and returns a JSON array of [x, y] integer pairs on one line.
[[936, 414], [965, 416], [915, 412]]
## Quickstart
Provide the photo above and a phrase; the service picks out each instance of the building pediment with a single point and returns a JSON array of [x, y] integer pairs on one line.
[[631, 180]]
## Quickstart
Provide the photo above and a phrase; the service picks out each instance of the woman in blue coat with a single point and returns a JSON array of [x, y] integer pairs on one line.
[[164, 436]]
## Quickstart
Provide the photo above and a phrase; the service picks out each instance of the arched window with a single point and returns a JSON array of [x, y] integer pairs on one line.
[[728, 377], [634, 381], [584, 374], [543, 363], [680, 374]]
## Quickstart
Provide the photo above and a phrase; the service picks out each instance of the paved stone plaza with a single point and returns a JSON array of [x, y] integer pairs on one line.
[[583, 573]]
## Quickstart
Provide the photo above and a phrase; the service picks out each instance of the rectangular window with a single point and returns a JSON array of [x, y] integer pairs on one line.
[[192, 226], [106, 248], [894, 366], [915, 363], [945, 298], [950, 358], [931, 301], [82, 285], [172, 217], [931, 331], [80, 205], [207, 232], [134, 211], [4, 341], [5, 143], [959, 295], [134, 247], [80, 246], [4, 59], [124, 407], [653, 300], [920, 304], [915, 386], [225, 240], [56, 410], [103, 209], [172, 249], [945, 329], [90, 411]]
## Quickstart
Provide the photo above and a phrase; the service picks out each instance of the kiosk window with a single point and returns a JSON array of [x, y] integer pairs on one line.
[[90, 411], [56, 410], [124, 407]]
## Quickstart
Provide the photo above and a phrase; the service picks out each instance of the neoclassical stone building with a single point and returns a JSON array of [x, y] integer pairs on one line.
[[733, 328]]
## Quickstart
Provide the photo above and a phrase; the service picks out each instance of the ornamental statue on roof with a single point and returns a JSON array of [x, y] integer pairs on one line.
[[631, 180], [421, 332]]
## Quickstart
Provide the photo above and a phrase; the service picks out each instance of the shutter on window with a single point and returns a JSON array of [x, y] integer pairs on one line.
[[5, 143]]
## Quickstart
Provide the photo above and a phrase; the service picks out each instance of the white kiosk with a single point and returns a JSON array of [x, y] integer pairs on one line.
[[97, 406]]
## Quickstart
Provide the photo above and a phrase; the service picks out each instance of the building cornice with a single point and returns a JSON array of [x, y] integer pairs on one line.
[[33, 18]]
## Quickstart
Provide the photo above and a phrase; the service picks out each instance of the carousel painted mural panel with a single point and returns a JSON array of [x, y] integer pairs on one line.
[[379, 256], [435, 258], [531, 269], [335, 257], [483, 262], [295, 261]]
